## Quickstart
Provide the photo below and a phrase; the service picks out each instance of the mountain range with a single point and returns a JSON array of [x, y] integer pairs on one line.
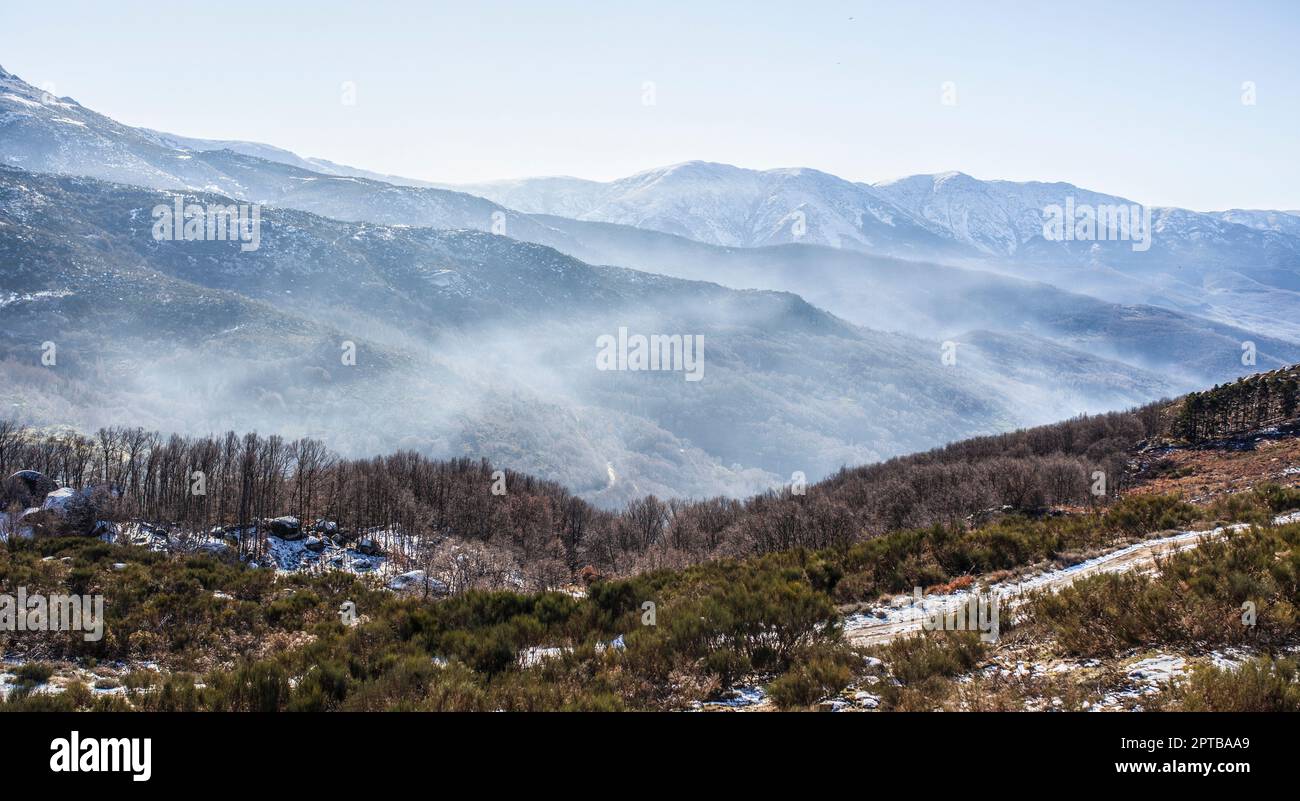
[[825, 305], [1235, 267], [469, 343]]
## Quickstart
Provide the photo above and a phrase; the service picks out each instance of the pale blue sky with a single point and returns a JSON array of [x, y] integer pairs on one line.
[[1140, 99]]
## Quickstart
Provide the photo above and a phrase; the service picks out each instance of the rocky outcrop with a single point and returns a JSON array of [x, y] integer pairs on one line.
[[26, 488], [287, 527], [62, 511]]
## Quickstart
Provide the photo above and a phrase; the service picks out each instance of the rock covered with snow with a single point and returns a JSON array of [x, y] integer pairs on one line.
[[77, 511], [58, 500], [866, 700], [415, 580]]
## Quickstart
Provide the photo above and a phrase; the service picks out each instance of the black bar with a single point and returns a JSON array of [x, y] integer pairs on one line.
[[1045, 752]]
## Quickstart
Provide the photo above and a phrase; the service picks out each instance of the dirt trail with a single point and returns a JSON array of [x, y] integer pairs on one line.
[[902, 616]]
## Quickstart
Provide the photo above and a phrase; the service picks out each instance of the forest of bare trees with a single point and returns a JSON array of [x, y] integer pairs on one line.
[[195, 484]]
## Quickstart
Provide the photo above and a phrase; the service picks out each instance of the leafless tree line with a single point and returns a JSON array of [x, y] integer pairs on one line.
[[194, 484]]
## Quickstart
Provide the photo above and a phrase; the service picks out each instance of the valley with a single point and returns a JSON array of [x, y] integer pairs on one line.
[[279, 434]]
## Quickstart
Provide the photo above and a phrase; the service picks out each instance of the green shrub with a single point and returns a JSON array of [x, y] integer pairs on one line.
[[261, 686], [1259, 685], [33, 674], [1277, 498], [948, 653], [1143, 514], [813, 678], [922, 668], [727, 665]]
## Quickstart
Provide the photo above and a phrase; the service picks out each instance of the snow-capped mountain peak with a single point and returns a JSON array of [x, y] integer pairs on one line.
[[723, 204]]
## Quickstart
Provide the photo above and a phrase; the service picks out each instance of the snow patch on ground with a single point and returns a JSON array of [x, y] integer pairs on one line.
[[741, 696], [11, 298], [1289, 517], [22, 101], [108, 675], [1158, 669]]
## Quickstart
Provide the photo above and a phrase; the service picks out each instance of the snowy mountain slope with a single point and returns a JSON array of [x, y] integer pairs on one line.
[[1237, 268], [1006, 219], [995, 217], [950, 216], [275, 154], [54, 134], [1282, 222], [366, 200], [58, 135]]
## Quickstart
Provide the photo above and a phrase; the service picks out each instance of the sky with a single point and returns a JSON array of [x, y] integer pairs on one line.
[[1142, 100]]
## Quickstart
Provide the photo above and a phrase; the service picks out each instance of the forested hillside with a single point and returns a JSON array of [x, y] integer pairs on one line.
[[1250, 403]]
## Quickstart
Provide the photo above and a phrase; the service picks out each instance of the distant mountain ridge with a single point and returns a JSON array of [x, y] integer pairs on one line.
[[731, 206], [276, 154], [724, 205], [1237, 267], [946, 215], [1006, 218]]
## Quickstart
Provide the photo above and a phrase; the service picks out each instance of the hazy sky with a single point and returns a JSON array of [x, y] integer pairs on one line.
[[1141, 99]]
